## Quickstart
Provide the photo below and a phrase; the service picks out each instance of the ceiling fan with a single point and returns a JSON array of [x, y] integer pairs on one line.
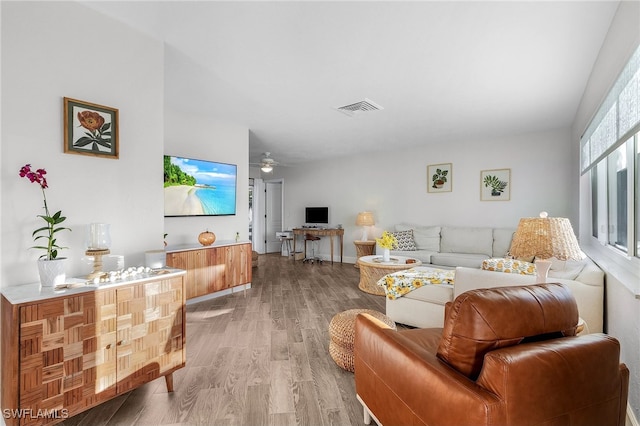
[[266, 163]]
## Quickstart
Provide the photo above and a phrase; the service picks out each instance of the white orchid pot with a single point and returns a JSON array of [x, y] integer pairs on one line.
[[52, 272]]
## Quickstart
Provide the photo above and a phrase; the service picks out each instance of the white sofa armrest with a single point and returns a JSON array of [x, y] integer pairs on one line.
[[591, 274], [589, 296]]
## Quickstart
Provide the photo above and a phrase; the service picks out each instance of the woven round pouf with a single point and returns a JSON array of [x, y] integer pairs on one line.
[[342, 333]]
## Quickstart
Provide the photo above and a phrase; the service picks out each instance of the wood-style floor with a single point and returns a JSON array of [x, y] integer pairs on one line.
[[257, 360]]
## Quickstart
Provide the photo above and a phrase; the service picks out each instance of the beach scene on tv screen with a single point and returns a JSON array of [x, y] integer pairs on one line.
[[198, 188]]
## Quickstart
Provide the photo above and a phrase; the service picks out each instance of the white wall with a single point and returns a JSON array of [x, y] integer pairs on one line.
[[622, 316], [205, 138], [393, 185], [46, 55], [56, 49]]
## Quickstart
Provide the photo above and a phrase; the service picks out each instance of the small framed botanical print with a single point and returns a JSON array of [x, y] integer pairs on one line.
[[439, 177], [90, 129], [495, 185]]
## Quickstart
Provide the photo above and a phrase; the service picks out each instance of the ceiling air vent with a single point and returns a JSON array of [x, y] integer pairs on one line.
[[362, 106]]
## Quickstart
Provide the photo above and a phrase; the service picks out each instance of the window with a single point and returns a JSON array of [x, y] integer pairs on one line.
[[610, 152], [637, 194], [617, 119], [615, 198], [617, 203], [594, 203]]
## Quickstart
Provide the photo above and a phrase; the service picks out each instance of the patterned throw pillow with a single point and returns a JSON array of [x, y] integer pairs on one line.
[[405, 240], [510, 266]]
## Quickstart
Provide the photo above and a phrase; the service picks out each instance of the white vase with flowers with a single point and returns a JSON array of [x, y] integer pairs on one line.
[[387, 242]]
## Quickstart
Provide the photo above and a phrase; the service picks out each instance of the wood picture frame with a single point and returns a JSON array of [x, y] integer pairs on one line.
[[90, 129], [440, 177], [495, 185]]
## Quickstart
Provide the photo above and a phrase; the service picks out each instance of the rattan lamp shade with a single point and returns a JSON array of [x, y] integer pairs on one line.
[[364, 219], [545, 237]]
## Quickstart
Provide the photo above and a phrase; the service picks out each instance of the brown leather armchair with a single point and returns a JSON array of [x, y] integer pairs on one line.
[[506, 356]]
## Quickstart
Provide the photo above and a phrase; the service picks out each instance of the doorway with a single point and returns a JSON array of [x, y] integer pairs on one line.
[[273, 214]]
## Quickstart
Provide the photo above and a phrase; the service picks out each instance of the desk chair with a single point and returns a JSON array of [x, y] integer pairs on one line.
[[314, 239], [285, 242]]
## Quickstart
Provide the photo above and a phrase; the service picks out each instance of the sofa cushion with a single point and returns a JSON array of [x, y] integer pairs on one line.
[[426, 237], [510, 266], [405, 240], [502, 241], [474, 326], [470, 260], [466, 240]]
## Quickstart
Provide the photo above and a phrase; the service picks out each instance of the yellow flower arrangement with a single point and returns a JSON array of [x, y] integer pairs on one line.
[[387, 241]]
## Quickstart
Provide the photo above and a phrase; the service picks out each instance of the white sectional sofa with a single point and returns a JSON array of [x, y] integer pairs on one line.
[[465, 249], [452, 246]]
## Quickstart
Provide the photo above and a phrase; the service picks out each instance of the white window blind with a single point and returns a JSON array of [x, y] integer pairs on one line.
[[617, 118]]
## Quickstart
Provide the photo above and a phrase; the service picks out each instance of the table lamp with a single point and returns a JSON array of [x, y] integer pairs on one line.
[[543, 238], [365, 219]]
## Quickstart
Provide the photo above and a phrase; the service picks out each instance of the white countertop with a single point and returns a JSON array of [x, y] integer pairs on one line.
[[28, 293], [197, 246]]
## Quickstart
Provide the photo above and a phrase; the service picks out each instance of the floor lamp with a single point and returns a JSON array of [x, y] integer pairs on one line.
[[543, 238]]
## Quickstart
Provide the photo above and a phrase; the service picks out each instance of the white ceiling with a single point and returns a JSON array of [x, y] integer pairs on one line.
[[442, 71]]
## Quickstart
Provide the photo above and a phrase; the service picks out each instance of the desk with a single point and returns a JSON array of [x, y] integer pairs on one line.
[[331, 232]]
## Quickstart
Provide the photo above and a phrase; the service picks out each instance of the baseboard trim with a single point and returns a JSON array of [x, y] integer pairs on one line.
[[632, 418]]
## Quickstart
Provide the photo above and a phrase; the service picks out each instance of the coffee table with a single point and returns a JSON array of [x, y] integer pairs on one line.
[[372, 268]]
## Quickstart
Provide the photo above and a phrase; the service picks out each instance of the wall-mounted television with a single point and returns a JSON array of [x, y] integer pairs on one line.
[[199, 187], [316, 215]]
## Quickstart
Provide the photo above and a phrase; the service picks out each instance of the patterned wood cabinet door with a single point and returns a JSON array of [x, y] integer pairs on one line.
[[214, 268], [67, 355], [238, 265], [196, 263], [150, 331]]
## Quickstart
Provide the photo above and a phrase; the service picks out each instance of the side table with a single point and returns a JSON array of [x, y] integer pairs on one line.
[[364, 248]]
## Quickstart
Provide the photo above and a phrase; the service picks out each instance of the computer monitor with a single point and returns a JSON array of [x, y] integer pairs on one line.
[[316, 216]]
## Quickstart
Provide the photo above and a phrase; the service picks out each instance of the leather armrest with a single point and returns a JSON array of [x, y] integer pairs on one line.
[[584, 372], [447, 308], [375, 321], [396, 378]]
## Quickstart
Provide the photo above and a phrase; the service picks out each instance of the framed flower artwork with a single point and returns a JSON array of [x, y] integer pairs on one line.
[[90, 129], [439, 177], [495, 185]]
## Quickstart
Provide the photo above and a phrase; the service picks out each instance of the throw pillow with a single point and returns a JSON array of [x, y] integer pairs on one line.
[[405, 240], [510, 266], [426, 237]]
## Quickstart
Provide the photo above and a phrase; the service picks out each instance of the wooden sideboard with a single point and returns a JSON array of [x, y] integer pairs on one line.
[[212, 268], [63, 353]]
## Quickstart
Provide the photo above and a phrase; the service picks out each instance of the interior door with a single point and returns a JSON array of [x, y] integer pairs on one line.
[[273, 214]]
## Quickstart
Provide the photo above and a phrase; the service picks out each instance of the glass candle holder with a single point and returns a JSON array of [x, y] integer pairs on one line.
[[98, 236]]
